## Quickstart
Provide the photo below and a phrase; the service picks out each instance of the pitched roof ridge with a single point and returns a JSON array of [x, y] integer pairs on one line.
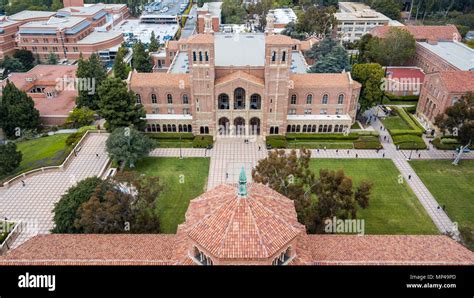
[[224, 237], [225, 201], [257, 229]]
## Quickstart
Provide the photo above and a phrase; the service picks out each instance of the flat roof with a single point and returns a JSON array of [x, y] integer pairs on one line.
[[173, 8], [142, 31], [456, 53], [29, 14], [241, 49], [284, 15], [181, 63], [96, 37], [348, 16], [214, 8], [54, 23], [82, 10], [298, 63], [318, 117]]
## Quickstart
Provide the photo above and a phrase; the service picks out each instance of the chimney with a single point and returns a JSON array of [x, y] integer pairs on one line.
[[270, 23]]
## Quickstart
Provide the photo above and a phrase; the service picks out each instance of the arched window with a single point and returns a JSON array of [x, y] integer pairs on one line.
[[165, 128], [169, 98], [336, 128], [330, 128], [153, 98], [206, 130], [304, 128], [309, 99], [293, 99], [272, 130], [180, 128], [239, 99], [174, 127], [283, 56], [313, 129], [273, 56], [223, 101], [190, 128], [276, 130], [255, 102], [139, 99], [298, 128], [288, 128], [325, 99], [340, 99], [201, 130], [185, 99]]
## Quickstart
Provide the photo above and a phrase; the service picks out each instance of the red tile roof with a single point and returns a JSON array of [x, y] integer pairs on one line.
[[231, 227], [279, 39], [435, 33], [406, 73], [239, 75], [382, 250], [458, 81], [310, 80]]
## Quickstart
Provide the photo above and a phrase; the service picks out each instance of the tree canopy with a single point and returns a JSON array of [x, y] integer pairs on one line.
[[10, 158], [233, 12], [17, 111], [141, 61], [118, 105], [120, 68], [154, 44], [93, 72], [330, 57], [395, 49], [26, 58], [126, 145], [371, 76], [390, 8]]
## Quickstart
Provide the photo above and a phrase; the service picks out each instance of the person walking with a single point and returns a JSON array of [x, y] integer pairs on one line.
[[23, 183], [383, 155], [409, 177], [97, 155]]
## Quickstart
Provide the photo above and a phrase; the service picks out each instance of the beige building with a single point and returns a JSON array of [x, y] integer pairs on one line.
[[239, 84]]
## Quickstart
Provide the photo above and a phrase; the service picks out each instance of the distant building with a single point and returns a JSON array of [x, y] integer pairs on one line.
[[164, 11], [441, 90], [214, 11], [52, 88], [356, 19], [283, 16]]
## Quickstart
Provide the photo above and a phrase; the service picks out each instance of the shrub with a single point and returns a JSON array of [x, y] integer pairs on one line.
[[401, 132], [170, 135], [410, 110], [394, 97], [449, 141], [203, 141], [322, 136], [367, 145], [409, 142], [74, 138], [277, 141]]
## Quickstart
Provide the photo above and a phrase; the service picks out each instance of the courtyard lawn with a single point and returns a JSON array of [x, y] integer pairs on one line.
[[451, 186], [174, 199], [395, 122], [42, 152], [393, 207]]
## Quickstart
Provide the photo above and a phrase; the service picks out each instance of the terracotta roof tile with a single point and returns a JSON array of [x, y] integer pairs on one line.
[[458, 81], [435, 33], [159, 79], [279, 39], [201, 38], [321, 80]]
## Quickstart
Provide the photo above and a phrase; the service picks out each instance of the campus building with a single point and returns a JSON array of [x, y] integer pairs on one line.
[[243, 83], [356, 19], [441, 90], [214, 10], [243, 224], [67, 33], [52, 88]]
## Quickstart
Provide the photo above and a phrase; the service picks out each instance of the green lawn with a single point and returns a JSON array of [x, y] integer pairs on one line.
[[42, 152], [451, 186], [393, 207], [395, 122], [174, 200]]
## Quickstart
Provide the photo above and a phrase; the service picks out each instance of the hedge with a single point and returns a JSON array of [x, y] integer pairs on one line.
[[367, 145], [409, 120], [409, 142], [170, 135], [322, 136], [203, 141], [394, 97], [277, 141], [401, 132], [74, 138]]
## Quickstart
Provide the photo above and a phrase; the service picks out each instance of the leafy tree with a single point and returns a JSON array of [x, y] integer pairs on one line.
[[90, 70], [334, 62], [10, 65], [336, 197], [289, 175], [395, 49], [65, 209], [390, 8], [363, 45], [52, 59], [107, 211], [371, 76], [316, 20], [322, 48], [26, 58], [458, 119], [80, 117], [141, 60], [56, 5], [10, 158], [233, 12], [127, 145], [17, 111], [290, 30], [118, 105], [154, 45], [120, 68]]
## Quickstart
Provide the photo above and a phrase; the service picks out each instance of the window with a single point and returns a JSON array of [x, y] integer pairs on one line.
[[207, 56], [340, 99], [255, 102], [139, 99], [307, 111], [169, 98], [194, 56], [185, 99], [292, 112], [153, 98], [200, 56], [325, 99], [293, 99], [309, 99], [273, 56], [283, 56]]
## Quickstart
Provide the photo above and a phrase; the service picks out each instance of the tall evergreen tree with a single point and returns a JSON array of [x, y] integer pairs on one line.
[[52, 59], [371, 76], [93, 72], [10, 158], [141, 60], [154, 45], [118, 105], [120, 68], [17, 111], [26, 58]]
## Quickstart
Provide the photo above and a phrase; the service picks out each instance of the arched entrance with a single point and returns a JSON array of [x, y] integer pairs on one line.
[[239, 124], [224, 126], [255, 126]]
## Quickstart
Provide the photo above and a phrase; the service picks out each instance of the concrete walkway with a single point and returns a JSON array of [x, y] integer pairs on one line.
[[34, 202]]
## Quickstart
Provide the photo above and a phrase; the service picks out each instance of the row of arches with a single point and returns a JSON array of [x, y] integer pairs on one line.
[[223, 100], [239, 126], [313, 128], [309, 99], [169, 98], [153, 127]]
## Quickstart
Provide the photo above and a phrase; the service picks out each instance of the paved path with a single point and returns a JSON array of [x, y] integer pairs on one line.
[[34, 202]]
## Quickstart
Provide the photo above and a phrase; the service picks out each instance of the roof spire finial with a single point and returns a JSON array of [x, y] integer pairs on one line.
[[242, 183]]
